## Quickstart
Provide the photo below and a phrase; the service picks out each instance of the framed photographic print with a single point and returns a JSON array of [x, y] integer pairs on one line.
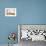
[[10, 11]]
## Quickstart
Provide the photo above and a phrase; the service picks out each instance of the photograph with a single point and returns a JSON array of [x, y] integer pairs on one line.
[[10, 11], [22, 22]]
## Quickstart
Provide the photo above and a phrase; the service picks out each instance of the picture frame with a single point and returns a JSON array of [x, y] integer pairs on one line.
[[10, 12]]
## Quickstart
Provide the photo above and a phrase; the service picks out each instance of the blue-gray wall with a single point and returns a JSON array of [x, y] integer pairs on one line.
[[28, 12]]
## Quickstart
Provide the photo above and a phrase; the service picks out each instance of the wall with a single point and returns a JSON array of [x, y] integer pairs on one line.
[[28, 12]]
